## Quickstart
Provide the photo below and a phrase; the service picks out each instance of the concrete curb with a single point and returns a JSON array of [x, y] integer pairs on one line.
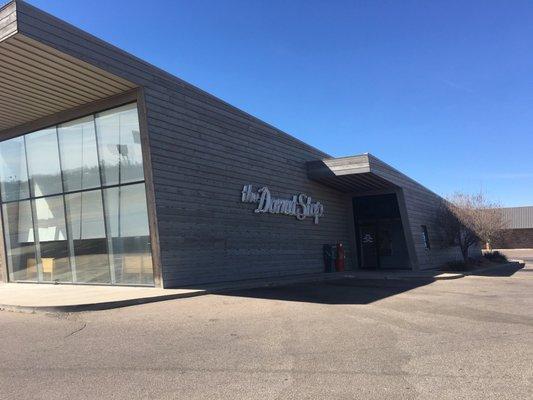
[[97, 306], [448, 276], [440, 277]]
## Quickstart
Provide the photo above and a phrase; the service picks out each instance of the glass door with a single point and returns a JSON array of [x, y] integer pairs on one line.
[[369, 246]]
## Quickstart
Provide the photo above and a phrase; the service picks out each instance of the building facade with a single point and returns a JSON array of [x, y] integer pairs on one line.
[[116, 172], [519, 229]]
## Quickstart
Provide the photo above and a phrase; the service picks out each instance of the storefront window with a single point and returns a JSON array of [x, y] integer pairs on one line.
[[79, 157], [119, 143], [20, 241], [128, 233], [74, 202], [87, 234], [43, 163], [13, 170], [51, 239]]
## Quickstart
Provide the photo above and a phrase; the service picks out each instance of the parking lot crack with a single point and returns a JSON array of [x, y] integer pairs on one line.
[[76, 331]]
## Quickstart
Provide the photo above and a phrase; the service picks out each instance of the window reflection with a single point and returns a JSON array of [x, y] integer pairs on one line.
[[129, 239], [43, 163], [75, 223], [85, 219], [13, 171], [19, 239], [79, 159], [120, 145], [52, 239]]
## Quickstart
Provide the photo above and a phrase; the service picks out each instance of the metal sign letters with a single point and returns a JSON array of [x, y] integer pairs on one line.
[[301, 206]]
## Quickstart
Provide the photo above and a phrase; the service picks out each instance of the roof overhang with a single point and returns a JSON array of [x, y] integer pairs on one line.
[[37, 80], [361, 173]]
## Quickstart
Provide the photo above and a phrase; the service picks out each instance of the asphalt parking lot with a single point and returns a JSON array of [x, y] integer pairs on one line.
[[470, 338]]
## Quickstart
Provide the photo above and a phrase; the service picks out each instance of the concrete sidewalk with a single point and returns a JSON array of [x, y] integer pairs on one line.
[[28, 297]]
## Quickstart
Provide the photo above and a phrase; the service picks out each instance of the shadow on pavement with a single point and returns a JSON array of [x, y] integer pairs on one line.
[[342, 291], [505, 270]]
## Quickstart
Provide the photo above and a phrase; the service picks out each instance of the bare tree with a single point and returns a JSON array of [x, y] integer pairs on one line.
[[468, 219], [490, 223]]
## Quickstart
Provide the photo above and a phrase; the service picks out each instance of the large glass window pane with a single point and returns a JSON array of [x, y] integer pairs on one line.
[[52, 239], [13, 172], [79, 158], [119, 144], [19, 239], [85, 219], [59, 225], [43, 162], [127, 218]]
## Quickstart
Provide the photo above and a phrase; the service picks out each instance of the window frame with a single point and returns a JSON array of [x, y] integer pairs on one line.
[[425, 237], [129, 98]]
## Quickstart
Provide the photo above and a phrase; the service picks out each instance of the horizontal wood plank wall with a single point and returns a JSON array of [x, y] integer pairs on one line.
[[422, 207], [8, 23], [206, 234], [203, 151]]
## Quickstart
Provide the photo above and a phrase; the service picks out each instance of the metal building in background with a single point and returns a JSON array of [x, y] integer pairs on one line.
[[519, 232]]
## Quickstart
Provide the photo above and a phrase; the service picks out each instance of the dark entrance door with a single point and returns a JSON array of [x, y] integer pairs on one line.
[[380, 237], [369, 246]]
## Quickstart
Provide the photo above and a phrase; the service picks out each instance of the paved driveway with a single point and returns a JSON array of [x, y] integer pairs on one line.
[[470, 338]]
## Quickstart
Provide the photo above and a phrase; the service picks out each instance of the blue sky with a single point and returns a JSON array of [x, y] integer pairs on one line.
[[442, 90]]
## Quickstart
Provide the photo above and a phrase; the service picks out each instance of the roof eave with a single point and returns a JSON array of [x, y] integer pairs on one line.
[[37, 80]]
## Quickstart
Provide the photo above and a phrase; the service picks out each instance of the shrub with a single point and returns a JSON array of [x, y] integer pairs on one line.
[[460, 265], [495, 256]]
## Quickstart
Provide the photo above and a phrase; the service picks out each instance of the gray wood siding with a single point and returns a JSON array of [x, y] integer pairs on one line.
[[203, 150], [201, 160], [418, 205], [422, 207], [202, 153], [8, 20]]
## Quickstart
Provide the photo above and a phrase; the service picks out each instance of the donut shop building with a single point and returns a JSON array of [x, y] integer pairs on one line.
[[114, 172]]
